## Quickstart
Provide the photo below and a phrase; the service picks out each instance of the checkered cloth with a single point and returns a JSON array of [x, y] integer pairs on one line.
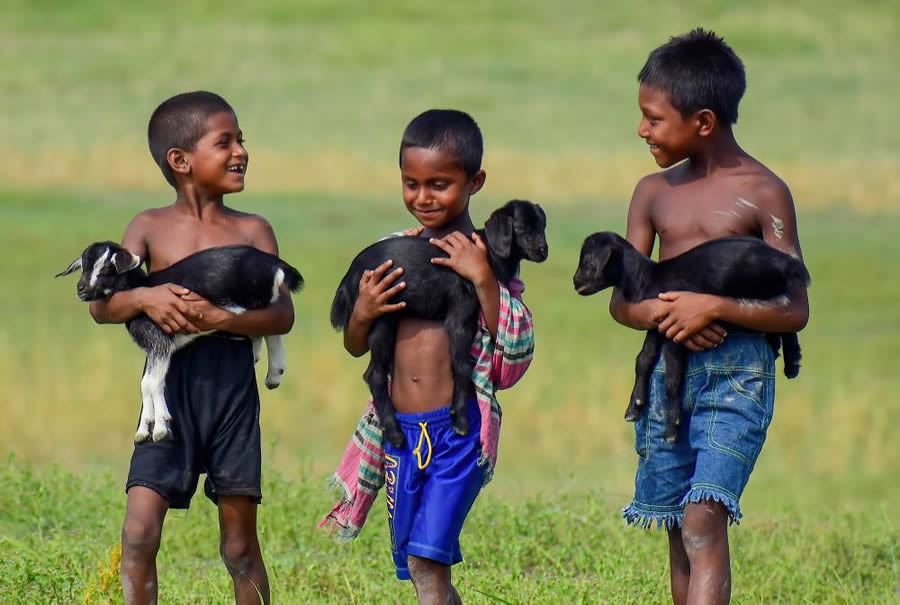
[[500, 363]]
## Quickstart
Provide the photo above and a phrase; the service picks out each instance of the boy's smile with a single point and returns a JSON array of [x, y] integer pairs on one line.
[[669, 134], [219, 161], [436, 189]]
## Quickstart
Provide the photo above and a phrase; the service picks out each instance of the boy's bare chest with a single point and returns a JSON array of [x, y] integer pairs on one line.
[[172, 242], [686, 217]]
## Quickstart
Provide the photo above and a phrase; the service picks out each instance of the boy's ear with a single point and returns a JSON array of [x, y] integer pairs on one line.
[[706, 122], [477, 182], [499, 232], [179, 161]]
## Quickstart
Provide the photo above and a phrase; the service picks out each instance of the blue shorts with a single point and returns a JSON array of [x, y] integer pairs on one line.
[[430, 485], [727, 401]]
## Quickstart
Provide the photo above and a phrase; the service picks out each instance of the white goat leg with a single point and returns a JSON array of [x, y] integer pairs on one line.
[[277, 360], [257, 349], [156, 383], [143, 431]]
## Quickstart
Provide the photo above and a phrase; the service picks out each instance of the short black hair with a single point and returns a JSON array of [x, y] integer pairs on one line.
[[698, 70], [179, 122], [448, 130]]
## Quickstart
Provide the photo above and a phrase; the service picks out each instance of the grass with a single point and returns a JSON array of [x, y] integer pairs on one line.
[[823, 484], [323, 90]]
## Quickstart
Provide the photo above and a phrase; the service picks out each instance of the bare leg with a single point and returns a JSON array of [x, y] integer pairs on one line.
[[240, 549], [704, 535], [679, 567], [141, 535], [432, 582]]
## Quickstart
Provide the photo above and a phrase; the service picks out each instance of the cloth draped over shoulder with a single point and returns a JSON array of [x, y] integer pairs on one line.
[[499, 364]]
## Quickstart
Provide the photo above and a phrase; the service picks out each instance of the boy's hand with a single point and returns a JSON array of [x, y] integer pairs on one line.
[[165, 306], [468, 257], [688, 318], [375, 290], [204, 315]]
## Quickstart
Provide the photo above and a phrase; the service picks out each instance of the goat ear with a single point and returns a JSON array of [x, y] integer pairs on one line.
[[75, 266], [123, 261], [499, 232]]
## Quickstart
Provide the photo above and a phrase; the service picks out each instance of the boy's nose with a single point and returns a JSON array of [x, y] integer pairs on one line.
[[642, 130]]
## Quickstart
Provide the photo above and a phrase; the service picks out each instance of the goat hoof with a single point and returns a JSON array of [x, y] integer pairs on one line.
[[160, 433], [273, 381], [460, 425], [142, 435], [671, 435], [396, 438]]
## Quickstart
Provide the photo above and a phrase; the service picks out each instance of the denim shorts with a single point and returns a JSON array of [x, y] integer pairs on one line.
[[727, 401]]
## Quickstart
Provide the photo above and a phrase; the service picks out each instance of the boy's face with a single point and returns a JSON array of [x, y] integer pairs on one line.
[[436, 189], [219, 160], [671, 136]]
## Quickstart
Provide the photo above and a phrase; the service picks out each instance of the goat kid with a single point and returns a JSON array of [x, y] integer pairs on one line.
[[512, 233], [738, 267], [236, 278]]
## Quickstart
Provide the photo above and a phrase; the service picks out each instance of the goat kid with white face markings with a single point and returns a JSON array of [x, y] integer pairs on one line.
[[236, 278]]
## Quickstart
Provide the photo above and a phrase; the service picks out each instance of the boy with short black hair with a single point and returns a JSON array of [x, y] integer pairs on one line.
[[689, 94], [211, 384], [433, 480]]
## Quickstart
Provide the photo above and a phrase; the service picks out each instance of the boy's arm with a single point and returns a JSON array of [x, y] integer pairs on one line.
[[640, 233], [163, 304], [277, 318], [688, 310], [468, 257]]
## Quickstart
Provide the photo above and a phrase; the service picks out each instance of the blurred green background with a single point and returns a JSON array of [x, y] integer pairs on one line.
[[323, 91]]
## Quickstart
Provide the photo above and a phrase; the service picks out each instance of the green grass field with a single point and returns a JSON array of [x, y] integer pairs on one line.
[[323, 91]]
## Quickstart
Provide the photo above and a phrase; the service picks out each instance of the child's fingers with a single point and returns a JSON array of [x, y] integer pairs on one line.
[[389, 294], [665, 324], [718, 330], [669, 296], [389, 279], [381, 270], [479, 243], [393, 307], [443, 244], [443, 261]]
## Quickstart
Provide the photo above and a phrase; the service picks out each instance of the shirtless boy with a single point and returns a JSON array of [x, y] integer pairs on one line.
[[211, 384], [689, 93], [432, 482]]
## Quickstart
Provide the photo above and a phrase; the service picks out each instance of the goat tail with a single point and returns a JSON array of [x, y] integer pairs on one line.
[[792, 355], [342, 306], [292, 278]]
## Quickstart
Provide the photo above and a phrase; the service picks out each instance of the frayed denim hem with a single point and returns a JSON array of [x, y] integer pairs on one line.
[[699, 494], [644, 519]]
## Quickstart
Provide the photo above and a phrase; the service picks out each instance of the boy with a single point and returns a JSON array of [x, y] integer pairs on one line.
[[689, 94], [211, 384], [433, 480]]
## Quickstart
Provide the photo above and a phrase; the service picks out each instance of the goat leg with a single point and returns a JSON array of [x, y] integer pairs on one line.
[[153, 384], [277, 360], [643, 367], [145, 424], [381, 353], [257, 348], [675, 356], [460, 335]]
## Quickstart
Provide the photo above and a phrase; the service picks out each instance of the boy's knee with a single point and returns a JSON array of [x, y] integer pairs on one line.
[[239, 554], [140, 535], [705, 524]]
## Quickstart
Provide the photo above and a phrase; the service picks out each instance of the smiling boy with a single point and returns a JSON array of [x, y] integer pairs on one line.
[[211, 384], [689, 94], [433, 480]]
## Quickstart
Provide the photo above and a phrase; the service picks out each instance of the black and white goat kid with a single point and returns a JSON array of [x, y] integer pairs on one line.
[[744, 268], [512, 233], [236, 278]]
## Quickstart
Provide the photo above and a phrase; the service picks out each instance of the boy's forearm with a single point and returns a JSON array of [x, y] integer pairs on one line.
[[488, 292], [778, 315], [637, 315], [356, 336], [118, 308], [277, 318]]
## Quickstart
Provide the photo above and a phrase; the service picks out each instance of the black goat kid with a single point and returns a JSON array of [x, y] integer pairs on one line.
[[236, 278], [512, 233], [738, 267]]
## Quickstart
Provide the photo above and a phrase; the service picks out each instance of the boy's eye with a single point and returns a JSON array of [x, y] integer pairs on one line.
[[439, 185]]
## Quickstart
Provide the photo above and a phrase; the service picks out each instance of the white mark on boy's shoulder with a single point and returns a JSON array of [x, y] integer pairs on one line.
[[733, 213], [777, 226], [747, 204]]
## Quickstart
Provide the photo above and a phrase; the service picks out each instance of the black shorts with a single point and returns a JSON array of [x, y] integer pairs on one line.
[[212, 397]]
